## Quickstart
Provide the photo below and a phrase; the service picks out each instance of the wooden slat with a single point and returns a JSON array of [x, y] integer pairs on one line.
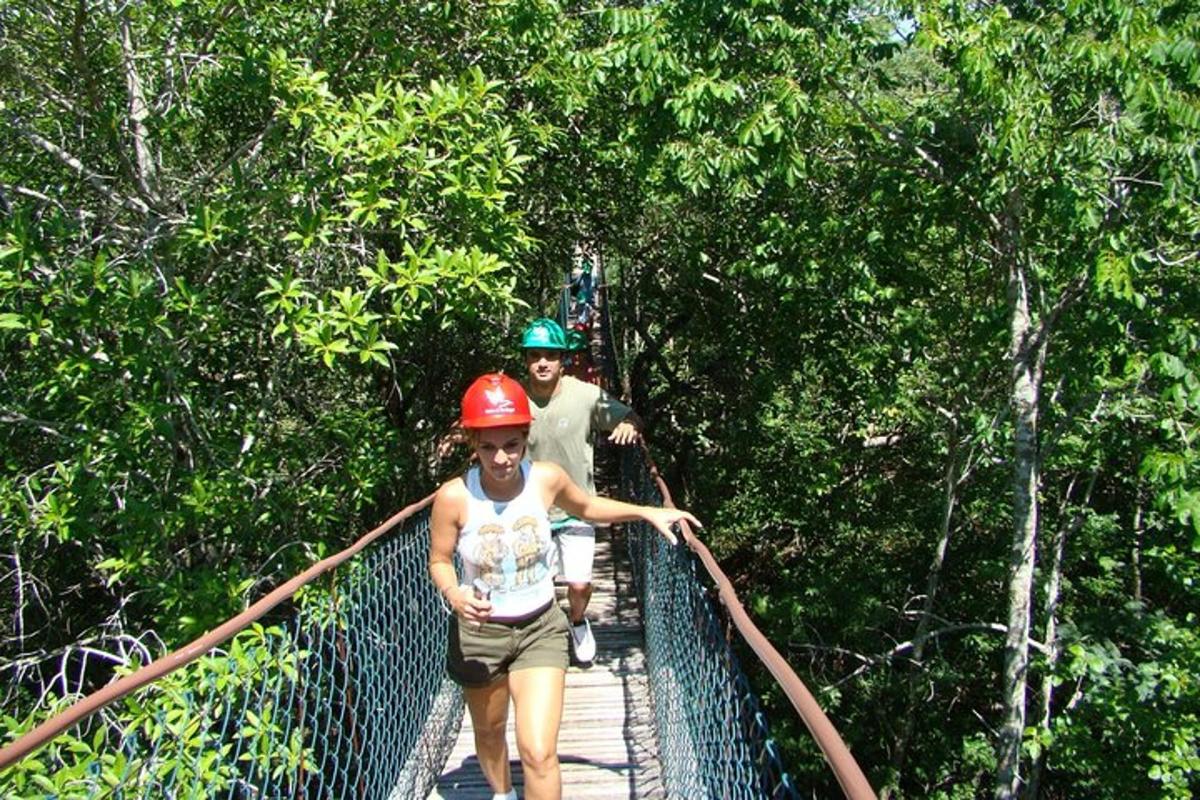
[[606, 746]]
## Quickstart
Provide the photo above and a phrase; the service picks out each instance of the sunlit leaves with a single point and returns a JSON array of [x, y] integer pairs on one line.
[[834, 200], [350, 198], [428, 174], [207, 228], [336, 186]]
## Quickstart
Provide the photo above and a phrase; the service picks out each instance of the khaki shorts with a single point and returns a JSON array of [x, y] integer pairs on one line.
[[479, 655]]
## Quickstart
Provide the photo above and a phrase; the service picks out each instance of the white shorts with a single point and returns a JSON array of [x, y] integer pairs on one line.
[[576, 547]]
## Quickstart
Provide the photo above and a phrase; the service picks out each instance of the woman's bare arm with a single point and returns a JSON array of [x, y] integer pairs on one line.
[[569, 497], [445, 522]]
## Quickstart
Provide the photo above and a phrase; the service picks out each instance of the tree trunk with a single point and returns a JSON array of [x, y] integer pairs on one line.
[[1025, 352], [949, 501], [145, 174], [1050, 637], [1135, 557]]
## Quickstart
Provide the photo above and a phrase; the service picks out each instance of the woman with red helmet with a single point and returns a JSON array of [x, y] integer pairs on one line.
[[509, 637]]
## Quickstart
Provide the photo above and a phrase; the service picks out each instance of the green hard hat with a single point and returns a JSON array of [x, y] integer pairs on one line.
[[543, 334], [576, 341]]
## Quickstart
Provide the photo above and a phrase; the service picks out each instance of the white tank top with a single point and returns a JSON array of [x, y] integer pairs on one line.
[[508, 545]]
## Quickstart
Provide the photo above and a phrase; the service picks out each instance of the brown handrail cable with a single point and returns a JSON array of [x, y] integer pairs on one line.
[[849, 775], [95, 701]]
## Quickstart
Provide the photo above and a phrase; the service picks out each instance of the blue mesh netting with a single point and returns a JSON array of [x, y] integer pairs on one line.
[[344, 698], [713, 738]]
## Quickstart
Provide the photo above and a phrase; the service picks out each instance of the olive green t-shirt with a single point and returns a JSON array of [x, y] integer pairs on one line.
[[563, 427]]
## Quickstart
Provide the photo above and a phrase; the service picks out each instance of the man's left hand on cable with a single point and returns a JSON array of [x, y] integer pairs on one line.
[[624, 433]]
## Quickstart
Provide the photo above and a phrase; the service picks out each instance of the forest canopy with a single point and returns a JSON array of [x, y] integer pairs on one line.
[[906, 295]]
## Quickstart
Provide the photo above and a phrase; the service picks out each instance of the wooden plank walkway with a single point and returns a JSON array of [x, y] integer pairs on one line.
[[607, 745]]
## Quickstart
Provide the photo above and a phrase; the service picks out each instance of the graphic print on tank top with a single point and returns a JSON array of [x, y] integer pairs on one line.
[[490, 554], [508, 546], [501, 566], [528, 547]]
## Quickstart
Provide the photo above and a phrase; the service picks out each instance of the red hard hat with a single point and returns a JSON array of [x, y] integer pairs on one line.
[[495, 401]]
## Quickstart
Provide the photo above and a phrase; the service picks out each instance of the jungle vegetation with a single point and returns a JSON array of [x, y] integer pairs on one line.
[[906, 293]]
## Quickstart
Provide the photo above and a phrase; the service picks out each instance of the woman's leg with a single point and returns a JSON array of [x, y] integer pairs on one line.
[[489, 718], [537, 694]]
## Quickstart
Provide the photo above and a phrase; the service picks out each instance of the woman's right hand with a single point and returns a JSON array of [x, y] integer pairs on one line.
[[470, 608], [664, 518]]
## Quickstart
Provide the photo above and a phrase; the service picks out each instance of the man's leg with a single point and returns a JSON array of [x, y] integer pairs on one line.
[[577, 550], [578, 596]]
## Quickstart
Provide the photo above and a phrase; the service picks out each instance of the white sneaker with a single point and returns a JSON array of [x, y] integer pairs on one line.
[[583, 643]]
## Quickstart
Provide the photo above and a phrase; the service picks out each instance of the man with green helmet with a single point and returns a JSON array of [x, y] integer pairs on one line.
[[543, 333], [566, 413], [576, 341], [579, 362]]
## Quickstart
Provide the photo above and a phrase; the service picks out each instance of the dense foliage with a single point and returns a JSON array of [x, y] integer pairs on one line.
[[906, 295]]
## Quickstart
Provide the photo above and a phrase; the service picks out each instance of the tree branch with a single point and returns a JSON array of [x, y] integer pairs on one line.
[[933, 168], [962, 627], [25, 191], [98, 183], [251, 145], [1070, 294], [144, 174], [15, 418], [657, 356], [222, 17]]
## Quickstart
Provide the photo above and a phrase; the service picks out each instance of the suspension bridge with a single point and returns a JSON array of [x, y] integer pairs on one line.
[[333, 686]]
